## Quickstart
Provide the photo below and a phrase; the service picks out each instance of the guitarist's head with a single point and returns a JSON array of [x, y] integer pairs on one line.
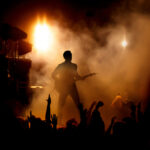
[[67, 55]]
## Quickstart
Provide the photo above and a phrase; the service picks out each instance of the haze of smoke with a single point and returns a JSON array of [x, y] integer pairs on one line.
[[119, 70]]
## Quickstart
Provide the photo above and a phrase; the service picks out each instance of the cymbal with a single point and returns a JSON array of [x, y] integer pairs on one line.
[[9, 32]]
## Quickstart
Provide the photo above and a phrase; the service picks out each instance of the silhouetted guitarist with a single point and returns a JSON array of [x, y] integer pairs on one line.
[[65, 76]]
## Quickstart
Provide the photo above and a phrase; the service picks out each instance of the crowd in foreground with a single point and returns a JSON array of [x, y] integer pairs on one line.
[[91, 124]]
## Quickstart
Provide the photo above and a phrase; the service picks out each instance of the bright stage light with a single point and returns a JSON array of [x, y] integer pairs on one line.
[[42, 37], [124, 43]]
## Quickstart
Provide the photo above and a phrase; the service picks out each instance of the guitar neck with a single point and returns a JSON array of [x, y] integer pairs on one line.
[[88, 75]]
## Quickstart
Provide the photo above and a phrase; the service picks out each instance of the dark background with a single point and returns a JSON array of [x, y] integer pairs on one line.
[[71, 12]]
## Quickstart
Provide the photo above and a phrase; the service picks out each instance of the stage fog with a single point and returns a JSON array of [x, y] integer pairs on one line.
[[119, 69]]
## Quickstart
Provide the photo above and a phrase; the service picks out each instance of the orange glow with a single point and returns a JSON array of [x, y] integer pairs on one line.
[[124, 43], [42, 37]]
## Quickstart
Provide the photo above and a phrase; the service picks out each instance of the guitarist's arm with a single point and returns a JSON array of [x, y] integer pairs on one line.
[[78, 77]]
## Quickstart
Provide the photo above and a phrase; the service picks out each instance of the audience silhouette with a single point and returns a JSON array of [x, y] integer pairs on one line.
[[136, 127]]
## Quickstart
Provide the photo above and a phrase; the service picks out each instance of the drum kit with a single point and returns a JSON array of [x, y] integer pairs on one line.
[[12, 61], [9, 35]]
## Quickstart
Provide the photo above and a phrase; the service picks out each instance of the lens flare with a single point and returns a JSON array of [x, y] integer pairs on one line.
[[124, 43], [42, 37]]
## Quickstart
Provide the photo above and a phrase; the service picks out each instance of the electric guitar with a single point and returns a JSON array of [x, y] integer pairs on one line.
[[58, 84], [86, 76]]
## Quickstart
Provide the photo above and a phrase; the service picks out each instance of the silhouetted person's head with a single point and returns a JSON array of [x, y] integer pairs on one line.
[[67, 55], [99, 104]]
